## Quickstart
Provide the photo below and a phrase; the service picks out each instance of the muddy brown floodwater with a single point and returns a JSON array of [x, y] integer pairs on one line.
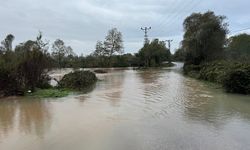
[[130, 110]]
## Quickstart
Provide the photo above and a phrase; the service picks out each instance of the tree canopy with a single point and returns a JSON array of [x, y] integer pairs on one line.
[[154, 53], [113, 44], [179, 55], [6, 44], [205, 37], [60, 51], [24, 68], [239, 47]]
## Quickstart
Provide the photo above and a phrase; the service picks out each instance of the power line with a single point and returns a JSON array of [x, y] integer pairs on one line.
[[180, 7], [192, 5], [174, 8], [235, 31], [176, 13], [175, 17], [146, 29]]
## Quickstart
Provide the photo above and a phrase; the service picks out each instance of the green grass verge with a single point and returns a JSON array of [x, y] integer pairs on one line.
[[50, 93]]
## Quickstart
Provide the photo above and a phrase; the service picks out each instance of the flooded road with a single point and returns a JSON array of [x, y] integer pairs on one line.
[[130, 110]]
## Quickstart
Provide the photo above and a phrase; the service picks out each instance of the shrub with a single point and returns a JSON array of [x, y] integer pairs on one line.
[[100, 71], [192, 70], [238, 81], [43, 82], [215, 71], [23, 69], [78, 80], [234, 76], [9, 84]]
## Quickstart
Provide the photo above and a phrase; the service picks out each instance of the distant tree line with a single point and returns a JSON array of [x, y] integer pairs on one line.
[[25, 67]]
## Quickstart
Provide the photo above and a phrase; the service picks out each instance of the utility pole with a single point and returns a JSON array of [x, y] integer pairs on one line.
[[169, 46], [146, 29], [169, 43]]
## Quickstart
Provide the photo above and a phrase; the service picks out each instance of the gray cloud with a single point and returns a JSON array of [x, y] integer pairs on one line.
[[80, 23]]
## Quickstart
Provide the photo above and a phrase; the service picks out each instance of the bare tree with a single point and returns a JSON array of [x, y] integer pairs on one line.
[[44, 45], [60, 50], [113, 42]]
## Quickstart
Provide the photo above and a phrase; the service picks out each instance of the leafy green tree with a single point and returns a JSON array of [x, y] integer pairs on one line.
[[32, 63], [24, 68], [179, 55], [239, 47], [100, 49], [204, 38], [154, 54], [8, 84]]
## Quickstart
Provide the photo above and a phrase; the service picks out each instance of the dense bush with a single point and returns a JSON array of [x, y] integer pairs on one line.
[[234, 76], [179, 55], [238, 81], [24, 68], [31, 65], [100, 71], [215, 71], [192, 70], [9, 83], [78, 80], [44, 82]]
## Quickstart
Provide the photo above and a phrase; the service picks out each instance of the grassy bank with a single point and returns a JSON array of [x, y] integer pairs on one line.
[[78, 81], [50, 93]]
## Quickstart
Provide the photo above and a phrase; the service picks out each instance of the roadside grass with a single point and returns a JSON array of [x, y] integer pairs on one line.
[[50, 93]]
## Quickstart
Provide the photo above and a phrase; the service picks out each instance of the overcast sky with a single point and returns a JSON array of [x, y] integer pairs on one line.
[[80, 23]]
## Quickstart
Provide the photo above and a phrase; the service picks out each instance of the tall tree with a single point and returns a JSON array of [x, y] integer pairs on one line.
[[60, 50], [239, 47], [179, 55], [154, 54], [113, 42], [204, 38], [32, 63], [7, 43], [100, 49]]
